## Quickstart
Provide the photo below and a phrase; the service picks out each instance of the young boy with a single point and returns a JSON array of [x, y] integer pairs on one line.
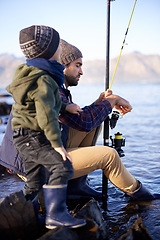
[[36, 133]]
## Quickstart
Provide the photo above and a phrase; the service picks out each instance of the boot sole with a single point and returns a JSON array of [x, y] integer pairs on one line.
[[51, 227], [76, 226], [80, 225]]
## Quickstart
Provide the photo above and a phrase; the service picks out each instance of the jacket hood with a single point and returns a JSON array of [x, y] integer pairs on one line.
[[23, 80]]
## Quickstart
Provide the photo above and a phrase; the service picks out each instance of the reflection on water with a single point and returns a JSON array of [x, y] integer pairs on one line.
[[141, 128], [10, 183]]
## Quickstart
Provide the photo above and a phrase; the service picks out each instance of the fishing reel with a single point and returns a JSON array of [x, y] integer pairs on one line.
[[114, 118], [117, 143]]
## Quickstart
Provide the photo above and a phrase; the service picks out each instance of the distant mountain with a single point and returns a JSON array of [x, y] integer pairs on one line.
[[133, 67], [8, 64]]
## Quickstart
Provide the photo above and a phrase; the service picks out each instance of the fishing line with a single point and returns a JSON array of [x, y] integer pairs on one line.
[[122, 45]]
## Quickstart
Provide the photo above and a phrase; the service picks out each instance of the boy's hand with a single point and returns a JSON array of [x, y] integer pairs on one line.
[[64, 154], [73, 108]]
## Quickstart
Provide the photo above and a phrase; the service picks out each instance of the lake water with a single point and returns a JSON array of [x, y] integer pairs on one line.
[[141, 130]]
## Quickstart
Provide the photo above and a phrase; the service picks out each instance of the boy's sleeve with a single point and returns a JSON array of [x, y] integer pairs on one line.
[[63, 107]]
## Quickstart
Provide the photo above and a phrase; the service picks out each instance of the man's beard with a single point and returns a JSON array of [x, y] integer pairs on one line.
[[71, 81]]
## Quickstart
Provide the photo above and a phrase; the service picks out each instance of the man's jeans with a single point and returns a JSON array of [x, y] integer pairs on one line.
[[38, 156]]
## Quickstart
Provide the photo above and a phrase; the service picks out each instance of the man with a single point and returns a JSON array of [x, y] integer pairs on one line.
[[89, 158], [85, 158], [82, 130]]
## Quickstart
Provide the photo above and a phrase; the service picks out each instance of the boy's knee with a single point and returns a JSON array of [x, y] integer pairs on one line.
[[68, 169]]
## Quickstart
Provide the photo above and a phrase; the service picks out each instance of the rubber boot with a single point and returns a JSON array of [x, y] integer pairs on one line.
[[78, 188], [143, 194], [56, 210]]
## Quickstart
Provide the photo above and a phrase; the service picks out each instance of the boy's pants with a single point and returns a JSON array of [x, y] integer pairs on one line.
[[88, 159], [38, 153]]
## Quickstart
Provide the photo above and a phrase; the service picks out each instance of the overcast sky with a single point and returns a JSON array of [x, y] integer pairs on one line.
[[83, 24]]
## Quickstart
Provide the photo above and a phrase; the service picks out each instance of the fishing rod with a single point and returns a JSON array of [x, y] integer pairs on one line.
[[122, 45], [112, 123]]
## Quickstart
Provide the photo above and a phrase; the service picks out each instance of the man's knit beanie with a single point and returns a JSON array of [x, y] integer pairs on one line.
[[69, 53], [39, 41]]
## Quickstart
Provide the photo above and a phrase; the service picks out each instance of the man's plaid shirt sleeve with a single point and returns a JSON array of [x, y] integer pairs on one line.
[[91, 117]]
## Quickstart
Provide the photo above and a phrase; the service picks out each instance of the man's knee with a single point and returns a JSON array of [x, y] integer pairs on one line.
[[111, 152], [111, 159]]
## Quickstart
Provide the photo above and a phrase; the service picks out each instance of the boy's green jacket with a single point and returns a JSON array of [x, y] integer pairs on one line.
[[37, 102]]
